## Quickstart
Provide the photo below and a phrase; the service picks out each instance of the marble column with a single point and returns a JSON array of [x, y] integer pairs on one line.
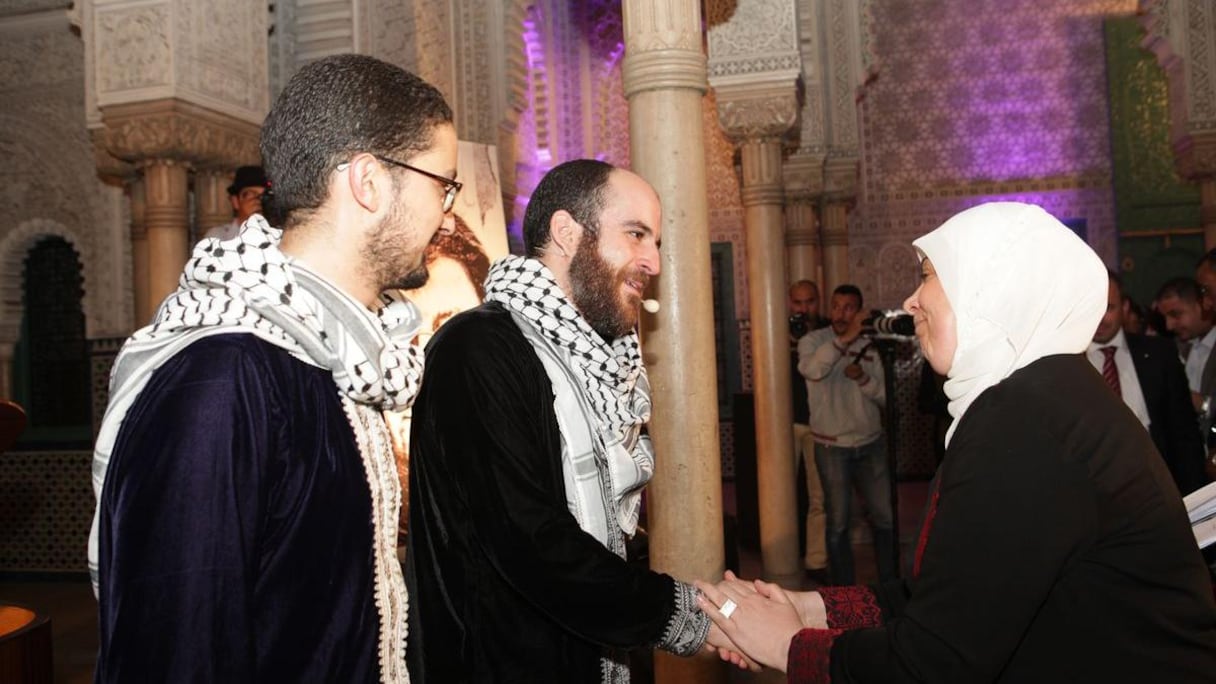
[[211, 205], [165, 185], [140, 282], [835, 245], [761, 194], [804, 253], [664, 78]]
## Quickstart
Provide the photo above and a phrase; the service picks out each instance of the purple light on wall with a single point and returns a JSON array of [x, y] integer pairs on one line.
[[534, 50]]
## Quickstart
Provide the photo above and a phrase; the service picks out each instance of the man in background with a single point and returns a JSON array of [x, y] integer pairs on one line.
[[245, 196], [1181, 303], [804, 318], [1146, 374], [846, 390]]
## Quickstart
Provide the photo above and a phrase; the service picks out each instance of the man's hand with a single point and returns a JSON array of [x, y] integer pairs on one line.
[[854, 372], [726, 649], [854, 330], [761, 625], [811, 609]]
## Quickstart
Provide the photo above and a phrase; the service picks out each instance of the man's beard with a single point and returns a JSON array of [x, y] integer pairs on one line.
[[388, 253], [597, 292]]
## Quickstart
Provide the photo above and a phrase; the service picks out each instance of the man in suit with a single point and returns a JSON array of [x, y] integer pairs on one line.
[[1146, 373], [1181, 303]]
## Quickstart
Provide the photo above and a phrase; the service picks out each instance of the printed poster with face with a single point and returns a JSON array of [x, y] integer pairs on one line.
[[458, 265]]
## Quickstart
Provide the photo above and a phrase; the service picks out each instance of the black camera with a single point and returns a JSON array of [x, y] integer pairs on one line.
[[800, 324], [888, 324]]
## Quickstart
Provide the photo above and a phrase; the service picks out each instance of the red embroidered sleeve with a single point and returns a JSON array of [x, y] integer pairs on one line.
[[851, 607], [810, 655]]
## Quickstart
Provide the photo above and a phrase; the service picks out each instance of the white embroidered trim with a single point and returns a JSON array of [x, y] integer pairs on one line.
[[392, 600]]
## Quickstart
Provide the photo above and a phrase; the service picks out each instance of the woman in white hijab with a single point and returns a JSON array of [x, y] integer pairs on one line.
[[1055, 546]]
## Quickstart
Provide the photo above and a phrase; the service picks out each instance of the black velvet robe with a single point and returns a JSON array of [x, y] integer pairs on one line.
[[504, 585], [236, 533], [1058, 551]]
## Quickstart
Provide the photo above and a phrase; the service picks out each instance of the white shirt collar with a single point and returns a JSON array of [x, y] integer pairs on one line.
[[1119, 341]]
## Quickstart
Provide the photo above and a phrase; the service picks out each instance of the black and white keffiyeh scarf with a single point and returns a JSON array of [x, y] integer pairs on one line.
[[601, 400], [247, 285]]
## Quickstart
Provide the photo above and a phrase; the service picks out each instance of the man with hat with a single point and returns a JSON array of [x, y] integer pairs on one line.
[[245, 195]]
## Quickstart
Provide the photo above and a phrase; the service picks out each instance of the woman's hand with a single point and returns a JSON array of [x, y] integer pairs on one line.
[[762, 623]]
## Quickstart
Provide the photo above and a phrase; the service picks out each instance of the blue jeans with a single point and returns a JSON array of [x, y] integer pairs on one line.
[[840, 468]]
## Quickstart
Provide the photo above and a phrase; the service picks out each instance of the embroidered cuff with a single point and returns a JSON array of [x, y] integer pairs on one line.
[[851, 607], [688, 627], [810, 656]]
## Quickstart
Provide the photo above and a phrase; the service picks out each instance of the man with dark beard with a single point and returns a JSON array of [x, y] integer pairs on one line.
[[247, 492], [529, 456]]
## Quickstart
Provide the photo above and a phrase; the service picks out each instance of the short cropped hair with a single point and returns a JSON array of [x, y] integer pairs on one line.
[[809, 283], [334, 108], [1183, 288], [847, 289], [1207, 260], [577, 186]]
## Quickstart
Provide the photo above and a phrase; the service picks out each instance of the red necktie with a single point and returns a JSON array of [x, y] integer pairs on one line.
[[1110, 372]]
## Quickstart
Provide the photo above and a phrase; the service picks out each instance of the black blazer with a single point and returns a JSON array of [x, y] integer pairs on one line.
[[1058, 551], [1174, 426]]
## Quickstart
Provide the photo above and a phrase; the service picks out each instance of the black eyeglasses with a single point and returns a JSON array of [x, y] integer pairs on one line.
[[451, 187]]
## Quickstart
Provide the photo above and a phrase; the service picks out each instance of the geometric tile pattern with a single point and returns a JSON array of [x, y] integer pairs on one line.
[[726, 437], [986, 91], [979, 100], [46, 508], [913, 431]]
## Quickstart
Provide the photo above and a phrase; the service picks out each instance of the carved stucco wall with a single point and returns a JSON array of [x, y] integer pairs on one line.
[[386, 30], [48, 182], [212, 54], [976, 101], [751, 39]]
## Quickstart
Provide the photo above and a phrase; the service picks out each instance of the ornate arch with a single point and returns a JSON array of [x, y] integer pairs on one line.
[[13, 248], [49, 186]]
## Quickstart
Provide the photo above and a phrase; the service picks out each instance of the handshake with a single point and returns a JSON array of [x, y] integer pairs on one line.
[[754, 621]]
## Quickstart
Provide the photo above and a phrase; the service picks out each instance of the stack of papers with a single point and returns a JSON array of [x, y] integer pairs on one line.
[[1201, 509]]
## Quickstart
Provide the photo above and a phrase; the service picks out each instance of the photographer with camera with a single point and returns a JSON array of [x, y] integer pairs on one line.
[[846, 392], [804, 318]]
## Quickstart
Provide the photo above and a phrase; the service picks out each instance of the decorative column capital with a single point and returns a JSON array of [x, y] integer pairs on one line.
[[175, 129], [1195, 155], [663, 48], [766, 111], [802, 176], [835, 236], [754, 65], [109, 167], [840, 179]]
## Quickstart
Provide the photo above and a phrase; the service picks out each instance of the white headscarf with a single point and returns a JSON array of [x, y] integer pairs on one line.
[[1022, 286]]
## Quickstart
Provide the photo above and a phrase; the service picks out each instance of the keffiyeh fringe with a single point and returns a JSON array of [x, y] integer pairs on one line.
[[247, 285]]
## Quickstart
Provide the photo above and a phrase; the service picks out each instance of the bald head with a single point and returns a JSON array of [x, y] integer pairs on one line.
[[804, 299]]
